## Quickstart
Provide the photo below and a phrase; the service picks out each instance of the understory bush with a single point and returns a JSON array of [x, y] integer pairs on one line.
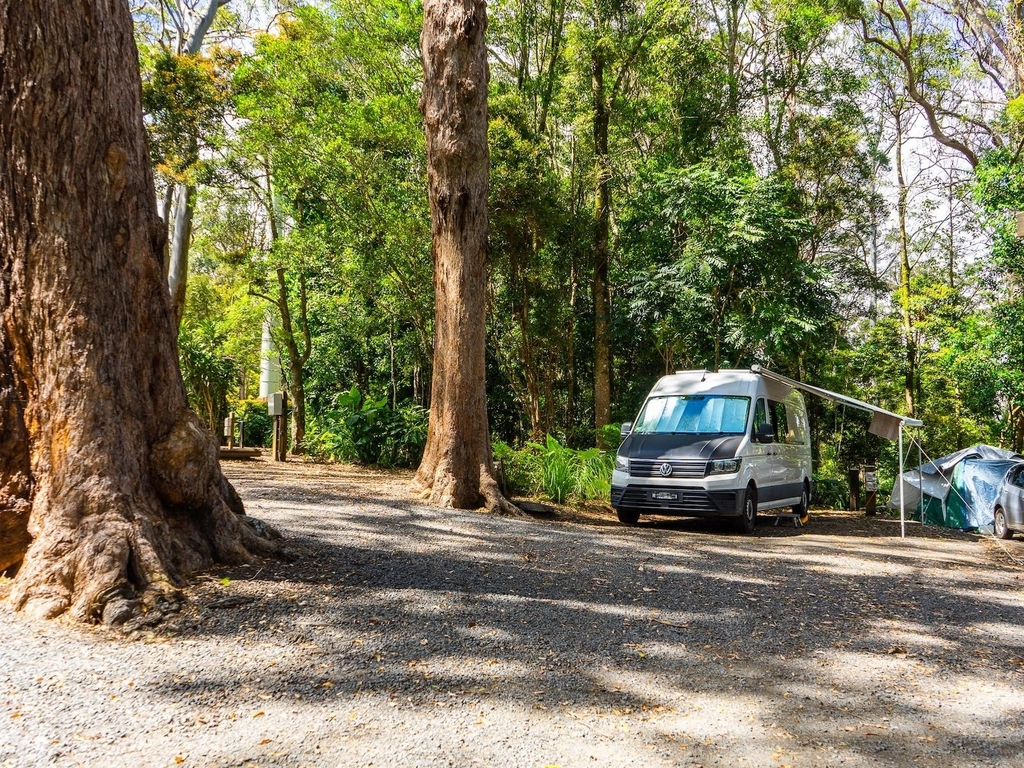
[[831, 492], [259, 425], [369, 431], [558, 472]]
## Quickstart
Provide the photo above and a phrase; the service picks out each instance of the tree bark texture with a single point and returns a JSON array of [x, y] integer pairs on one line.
[[296, 359], [110, 490], [181, 241], [602, 226], [457, 470]]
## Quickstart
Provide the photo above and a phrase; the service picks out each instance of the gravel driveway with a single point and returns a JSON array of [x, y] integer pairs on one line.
[[408, 635]]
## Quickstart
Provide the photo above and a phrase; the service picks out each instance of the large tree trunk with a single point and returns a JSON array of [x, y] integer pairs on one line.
[[456, 470], [123, 486], [602, 220]]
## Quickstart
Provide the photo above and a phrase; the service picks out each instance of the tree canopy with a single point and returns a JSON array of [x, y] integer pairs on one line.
[[823, 187]]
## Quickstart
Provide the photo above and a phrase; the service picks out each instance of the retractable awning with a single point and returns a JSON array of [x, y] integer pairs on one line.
[[883, 423]]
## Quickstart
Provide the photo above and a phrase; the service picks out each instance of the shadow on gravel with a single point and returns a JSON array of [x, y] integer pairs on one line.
[[819, 644]]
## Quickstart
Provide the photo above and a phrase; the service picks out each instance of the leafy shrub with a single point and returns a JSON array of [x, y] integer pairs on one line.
[[521, 469], [610, 435], [559, 472], [367, 430], [831, 492], [259, 425]]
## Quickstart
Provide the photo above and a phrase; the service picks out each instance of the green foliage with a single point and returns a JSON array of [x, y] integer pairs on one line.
[[369, 431], [737, 291], [610, 435], [186, 99], [259, 424], [559, 472], [831, 492], [208, 375]]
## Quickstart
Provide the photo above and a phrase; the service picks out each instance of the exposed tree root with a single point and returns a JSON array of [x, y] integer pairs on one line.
[[442, 488], [114, 546]]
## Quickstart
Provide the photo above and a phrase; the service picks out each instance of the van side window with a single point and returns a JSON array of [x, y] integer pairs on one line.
[[797, 424], [760, 414], [779, 421]]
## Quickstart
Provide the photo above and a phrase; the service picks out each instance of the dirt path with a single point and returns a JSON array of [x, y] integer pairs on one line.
[[407, 635]]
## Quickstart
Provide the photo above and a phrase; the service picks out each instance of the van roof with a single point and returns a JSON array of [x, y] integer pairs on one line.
[[731, 381], [727, 382]]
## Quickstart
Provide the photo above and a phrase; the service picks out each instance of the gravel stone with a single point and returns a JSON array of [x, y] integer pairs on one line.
[[405, 635]]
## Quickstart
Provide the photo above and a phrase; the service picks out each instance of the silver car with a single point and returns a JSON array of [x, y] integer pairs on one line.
[[1009, 511]]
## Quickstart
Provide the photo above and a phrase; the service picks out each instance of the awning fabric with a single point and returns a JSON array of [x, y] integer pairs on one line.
[[883, 423]]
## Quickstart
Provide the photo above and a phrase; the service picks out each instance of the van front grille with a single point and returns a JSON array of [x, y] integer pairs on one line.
[[687, 502], [685, 470]]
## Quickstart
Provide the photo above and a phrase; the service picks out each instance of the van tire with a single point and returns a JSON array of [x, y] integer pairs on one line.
[[628, 516], [749, 514], [803, 509]]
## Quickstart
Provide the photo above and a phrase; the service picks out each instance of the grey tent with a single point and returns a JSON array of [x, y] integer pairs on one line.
[[958, 490]]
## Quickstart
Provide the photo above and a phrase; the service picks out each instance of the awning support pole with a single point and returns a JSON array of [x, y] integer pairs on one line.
[[899, 479], [920, 474]]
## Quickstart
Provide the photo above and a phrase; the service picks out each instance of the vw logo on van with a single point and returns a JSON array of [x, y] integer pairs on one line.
[[665, 469]]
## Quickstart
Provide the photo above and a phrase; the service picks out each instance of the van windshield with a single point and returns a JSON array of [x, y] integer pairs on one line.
[[694, 414]]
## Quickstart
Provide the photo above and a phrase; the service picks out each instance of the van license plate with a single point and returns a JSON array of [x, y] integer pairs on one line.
[[664, 495]]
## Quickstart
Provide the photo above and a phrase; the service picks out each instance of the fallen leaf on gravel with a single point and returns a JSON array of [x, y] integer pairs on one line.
[[16, 714], [179, 759], [261, 713], [897, 650], [265, 741]]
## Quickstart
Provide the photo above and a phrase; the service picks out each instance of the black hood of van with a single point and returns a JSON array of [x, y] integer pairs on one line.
[[657, 446]]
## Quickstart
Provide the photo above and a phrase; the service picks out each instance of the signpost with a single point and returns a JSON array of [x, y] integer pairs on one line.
[[870, 490], [277, 406]]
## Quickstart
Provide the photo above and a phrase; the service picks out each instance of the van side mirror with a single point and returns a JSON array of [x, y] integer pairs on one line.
[[764, 434], [625, 429]]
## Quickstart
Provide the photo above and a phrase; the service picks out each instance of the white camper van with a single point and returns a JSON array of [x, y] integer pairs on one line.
[[726, 444]]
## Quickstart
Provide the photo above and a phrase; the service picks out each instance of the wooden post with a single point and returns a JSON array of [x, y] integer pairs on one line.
[[283, 420], [854, 477]]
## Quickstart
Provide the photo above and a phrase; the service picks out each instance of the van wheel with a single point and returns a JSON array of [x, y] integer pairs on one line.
[[628, 516], [1002, 530], [803, 509], [749, 516]]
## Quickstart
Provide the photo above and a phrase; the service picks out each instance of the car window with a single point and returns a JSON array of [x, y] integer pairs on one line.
[[779, 421], [1017, 476], [796, 418], [760, 414]]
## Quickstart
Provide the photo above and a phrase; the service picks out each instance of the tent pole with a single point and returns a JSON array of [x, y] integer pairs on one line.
[[899, 479], [920, 474]]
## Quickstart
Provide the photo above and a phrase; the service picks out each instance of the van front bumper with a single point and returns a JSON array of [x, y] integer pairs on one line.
[[679, 501]]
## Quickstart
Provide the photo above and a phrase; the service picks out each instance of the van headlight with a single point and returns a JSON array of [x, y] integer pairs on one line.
[[621, 462], [724, 466]]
